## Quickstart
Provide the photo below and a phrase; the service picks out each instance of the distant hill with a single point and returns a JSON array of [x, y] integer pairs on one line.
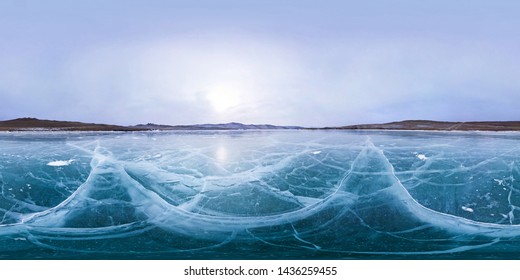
[[435, 125], [223, 126], [32, 124]]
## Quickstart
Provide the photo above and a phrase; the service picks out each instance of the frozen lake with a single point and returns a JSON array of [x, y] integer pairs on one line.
[[260, 195]]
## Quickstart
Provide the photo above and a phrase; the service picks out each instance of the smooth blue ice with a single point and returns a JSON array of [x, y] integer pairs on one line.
[[259, 195]]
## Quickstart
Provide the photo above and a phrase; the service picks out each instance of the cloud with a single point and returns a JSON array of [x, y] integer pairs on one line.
[[309, 64], [386, 80], [221, 77], [182, 80]]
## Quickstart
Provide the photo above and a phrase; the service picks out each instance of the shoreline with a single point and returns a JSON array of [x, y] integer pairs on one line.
[[58, 131]]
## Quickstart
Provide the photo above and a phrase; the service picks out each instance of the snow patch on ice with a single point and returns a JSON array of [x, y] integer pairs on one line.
[[316, 152], [467, 209], [60, 162], [499, 182], [421, 157]]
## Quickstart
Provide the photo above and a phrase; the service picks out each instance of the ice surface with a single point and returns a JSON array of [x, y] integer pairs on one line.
[[259, 194]]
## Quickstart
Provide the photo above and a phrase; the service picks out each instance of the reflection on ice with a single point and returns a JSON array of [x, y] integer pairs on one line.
[[243, 194], [221, 154]]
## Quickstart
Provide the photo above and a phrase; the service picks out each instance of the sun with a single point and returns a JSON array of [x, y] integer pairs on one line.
[[223, 97]]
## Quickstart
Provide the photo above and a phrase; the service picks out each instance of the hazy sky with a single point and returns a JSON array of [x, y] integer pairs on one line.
[[292, 62]]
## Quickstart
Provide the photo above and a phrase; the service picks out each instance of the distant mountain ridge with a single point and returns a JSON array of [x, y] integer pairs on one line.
[[33, 124], [222, 126]]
